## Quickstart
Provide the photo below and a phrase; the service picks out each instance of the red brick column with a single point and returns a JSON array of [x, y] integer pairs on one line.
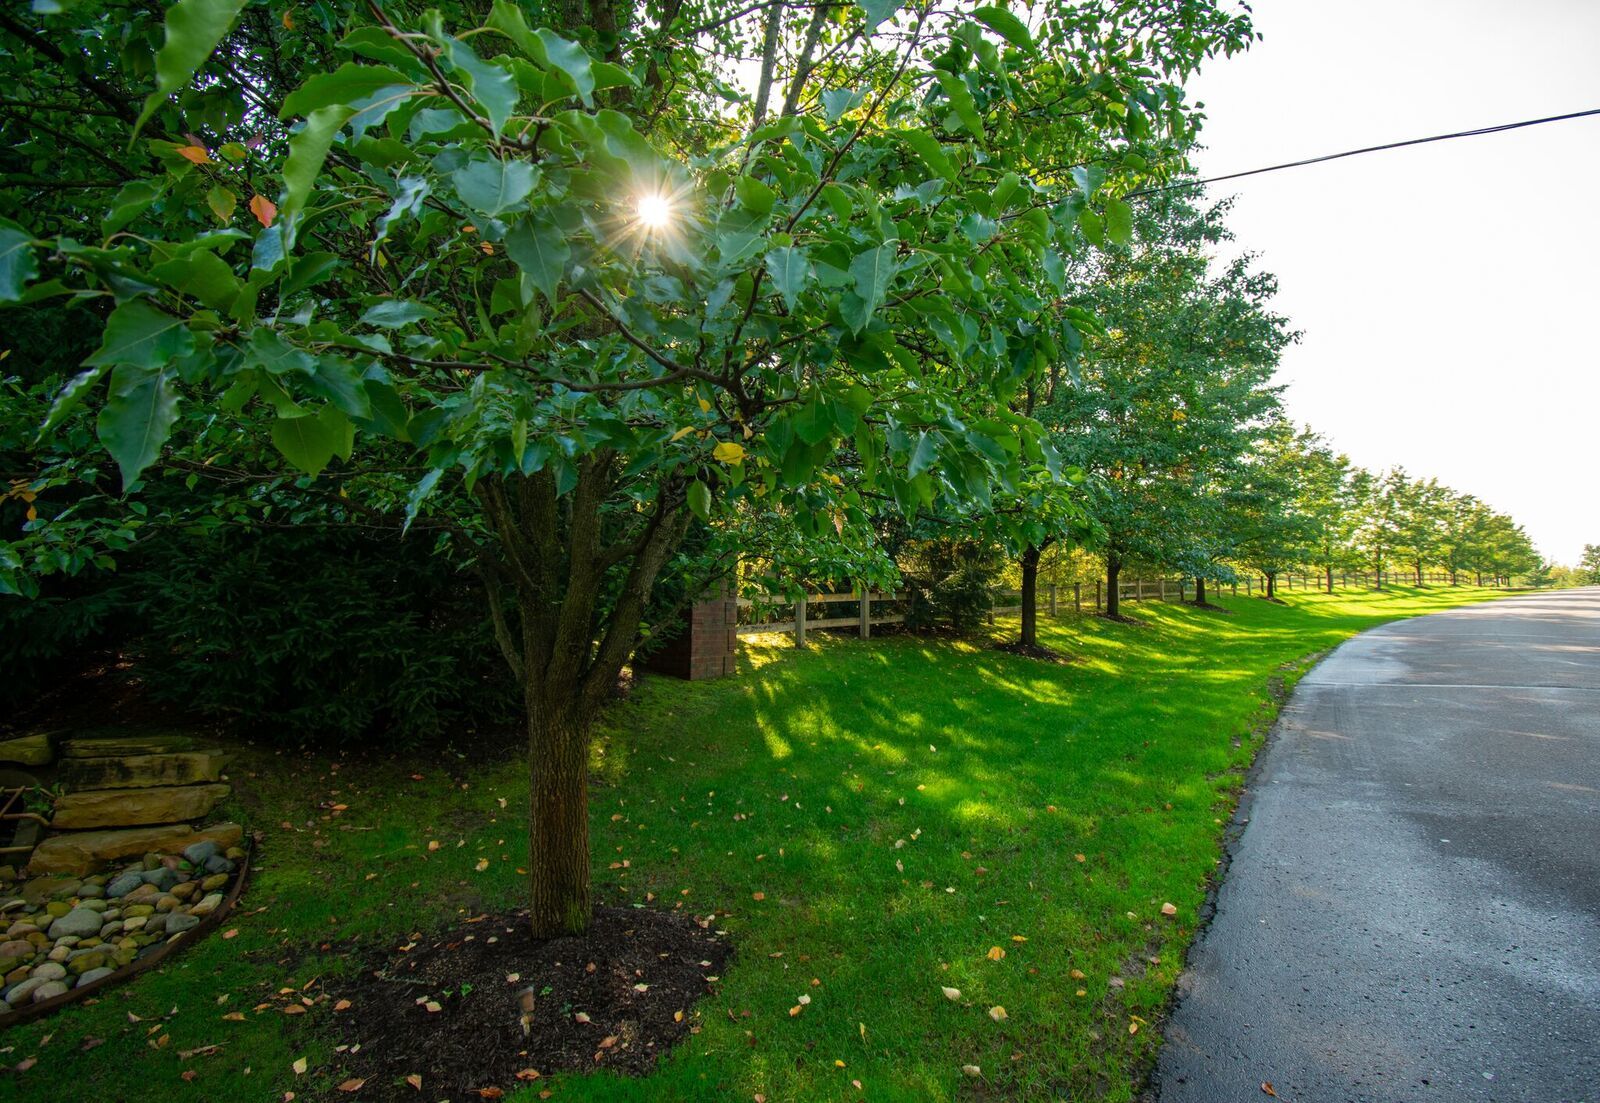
[[706, 644]]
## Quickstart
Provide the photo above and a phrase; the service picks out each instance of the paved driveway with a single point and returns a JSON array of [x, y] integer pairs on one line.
[[1413, 909]]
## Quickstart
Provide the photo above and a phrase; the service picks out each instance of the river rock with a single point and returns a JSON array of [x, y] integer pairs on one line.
[[185, 889], [17, 947], [162, 878], [214, 882], [178, 922], [50, 970], [49, 990], [134, 923], [93, 975], [19, 994], [79, 921], [124, 884], [114, 746], [208, 905], [201, 852]]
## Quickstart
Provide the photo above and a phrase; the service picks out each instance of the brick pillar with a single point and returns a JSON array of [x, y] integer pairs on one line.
[[705, 646]]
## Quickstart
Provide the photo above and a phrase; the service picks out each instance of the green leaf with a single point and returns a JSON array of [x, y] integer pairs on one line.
[[700, 500], [423, 488], [961, 102], [1092, 227], [754, 196], [1119, 222], [539, 248], [569, 59], [202, 275], [310, 443], [492, 186], [877, 11], [789, 270], [345, 85], [134, 198], [396, 313], [70, 396], [927, 149], [139, 335], [138, 417], [925, 456], [1006, 25], [491, 85], [873, 270], [17, 264], [193, 30], [308, 149]]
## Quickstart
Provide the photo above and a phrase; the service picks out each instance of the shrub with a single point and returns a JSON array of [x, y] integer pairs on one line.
[[948, 583], [320, 636]]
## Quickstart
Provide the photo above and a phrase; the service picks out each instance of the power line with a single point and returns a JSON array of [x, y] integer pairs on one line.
[[1367, 149]]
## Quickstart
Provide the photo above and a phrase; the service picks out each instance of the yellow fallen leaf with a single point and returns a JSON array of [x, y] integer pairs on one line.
[[677, 1016], [352, 1085], [1078, 974], [996, 953], [1133, 1028], [1079, 858], [299, 1066], [433, 1007], [972, 1070], [1082, 992], [483, 864], [415, 1081], [234, 1017], [1169, 909], [433, 844], [795, 1010], [951, 993], [998, 1013]]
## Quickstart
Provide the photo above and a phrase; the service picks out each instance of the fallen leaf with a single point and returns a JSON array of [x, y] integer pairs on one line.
[[972, 1070], [299, 1066], [294, 1009], [1266, 1086], [758, 896], [528, 1074], [27, 1063], [415, 1081], [342, 1005], [580, 1017], [483, 864], [187, 1075], [677, 1016], [1169, 909], [998, 1013], [234, 1017], [1078, 974], [234, 933], [1133, 1028], [951, 993], [996, 953], [490, 1093], [1079, 858], [433, 844], [433, 1007], [352, 1085], [795, 1010], [803, 1000]]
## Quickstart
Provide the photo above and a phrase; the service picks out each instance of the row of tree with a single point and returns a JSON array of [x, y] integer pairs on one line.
[[567, 291]]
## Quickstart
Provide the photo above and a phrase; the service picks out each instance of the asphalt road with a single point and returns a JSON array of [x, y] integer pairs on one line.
[[1412, 910]]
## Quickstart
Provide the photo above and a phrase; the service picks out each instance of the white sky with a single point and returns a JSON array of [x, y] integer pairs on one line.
[[1449, 294]]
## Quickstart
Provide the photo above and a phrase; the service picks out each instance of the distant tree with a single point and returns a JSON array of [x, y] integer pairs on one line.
[[1589, 565], [1274, 531], [1381, 527]]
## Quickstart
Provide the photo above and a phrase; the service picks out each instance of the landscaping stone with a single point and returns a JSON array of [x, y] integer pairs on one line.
[[143, 771], [79, 921], [177, 923], [93, 975], [18, 994], [84, 851], [125, 884], [117, 745], [214, 882], [49, 990], [201, 852], [124, 807], [16, 948], [184, 889], [162, 878], [29, 750], [208, 905], [50, 970], [218, 864]]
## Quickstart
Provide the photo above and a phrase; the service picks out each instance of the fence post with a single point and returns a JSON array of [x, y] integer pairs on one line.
[[1097, 595], [800, 621], [1183, 589], [1077, 597], [1249, 581], [1052, 599], [1163, 589], [866, 613], [1236, 587]]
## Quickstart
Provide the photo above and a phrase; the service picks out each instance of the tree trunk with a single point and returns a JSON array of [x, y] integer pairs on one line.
[[1377, 574], [559, 899], [1330, 578], [1199, 590], [1479, 575], [1272, 584], [1030, 596], [1113, 572], [1418, 566]]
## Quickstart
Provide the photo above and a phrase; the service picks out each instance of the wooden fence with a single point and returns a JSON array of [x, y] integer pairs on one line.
[[862, 612]]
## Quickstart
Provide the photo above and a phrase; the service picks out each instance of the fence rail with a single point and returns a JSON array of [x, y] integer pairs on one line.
[[1053, 598]]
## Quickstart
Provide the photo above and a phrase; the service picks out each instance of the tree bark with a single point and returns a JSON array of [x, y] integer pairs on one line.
[[1418, 568], [1272, 584], [1199, 590], [1113, 572], [1030, 596], [559, 898], [1330, 577]]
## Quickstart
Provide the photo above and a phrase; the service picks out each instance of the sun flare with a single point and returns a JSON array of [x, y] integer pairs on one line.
[[653, 210]]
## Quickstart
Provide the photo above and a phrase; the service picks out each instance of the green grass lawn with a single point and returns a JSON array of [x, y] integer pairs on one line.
[[903, 806]]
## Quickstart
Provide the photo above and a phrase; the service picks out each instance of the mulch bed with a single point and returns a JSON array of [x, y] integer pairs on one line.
[[1034, 651], [634, 977]]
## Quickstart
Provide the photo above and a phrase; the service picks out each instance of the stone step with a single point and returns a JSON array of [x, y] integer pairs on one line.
[[142, 771], [130, 807], [28, 750], [118, 746], [82, 852]]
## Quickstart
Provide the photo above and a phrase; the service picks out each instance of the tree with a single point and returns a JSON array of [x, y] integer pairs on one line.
[[1272, 530], [1589, 565], [1332, 497], [560, 293], [1170, 389], [1381, 529]]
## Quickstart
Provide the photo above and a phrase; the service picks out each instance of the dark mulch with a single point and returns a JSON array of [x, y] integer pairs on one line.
[[636, 976], [1210, 608], [1034, 651], [1122, 618]]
